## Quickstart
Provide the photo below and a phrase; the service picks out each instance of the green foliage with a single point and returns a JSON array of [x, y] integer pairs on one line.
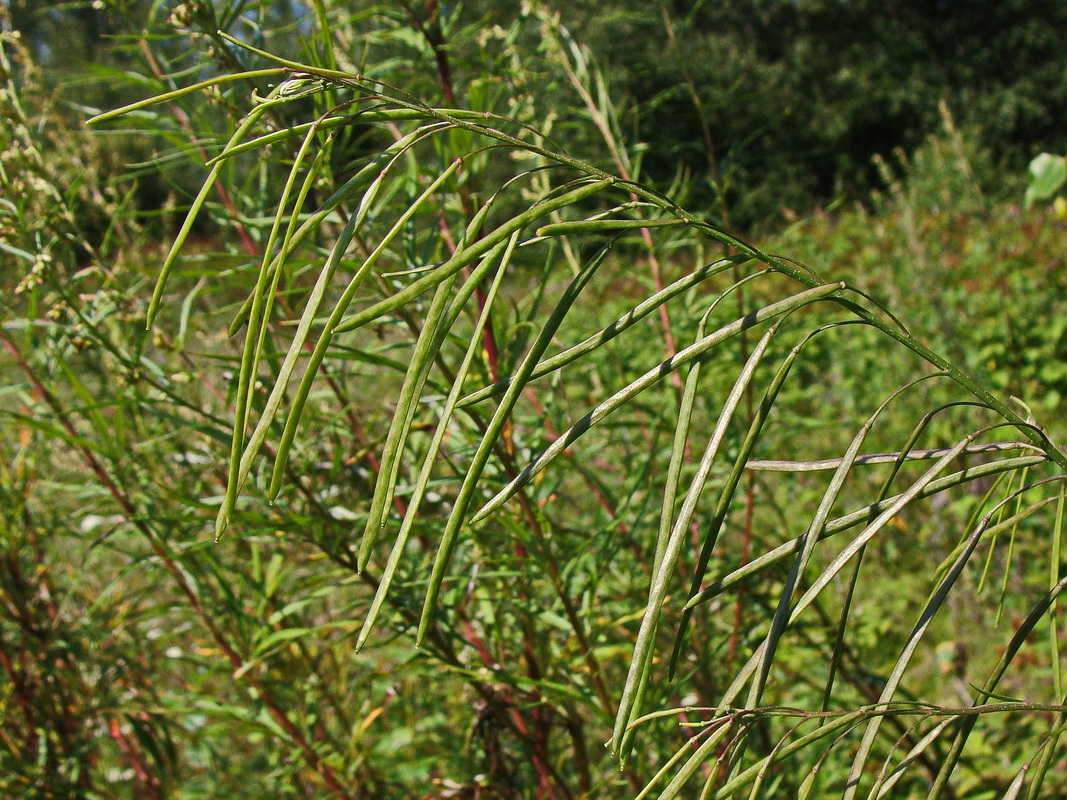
[[452, 455], [782, 103], [1047, 173], [979, 279], [765, 106]]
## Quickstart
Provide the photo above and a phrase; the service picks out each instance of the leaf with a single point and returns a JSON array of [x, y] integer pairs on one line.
[[1049, 172]]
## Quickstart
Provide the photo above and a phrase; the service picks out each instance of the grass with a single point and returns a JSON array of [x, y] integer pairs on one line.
[[509, 456]]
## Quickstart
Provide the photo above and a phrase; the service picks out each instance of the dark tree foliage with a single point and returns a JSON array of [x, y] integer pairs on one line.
[[798, 95], [767, 104]]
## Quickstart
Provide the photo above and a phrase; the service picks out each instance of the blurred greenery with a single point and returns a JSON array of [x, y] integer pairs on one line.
[[784, 102], [767, 106], [883, 144]]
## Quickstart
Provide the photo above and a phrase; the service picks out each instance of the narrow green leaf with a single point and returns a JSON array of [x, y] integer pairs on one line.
[[951, 759], [397, 552], [912, 642], [192, 89], [239, 467], [330, 329], [763, 412], [627, 320], [622, 396], [427, 347], [259, 319], [642, 655], [194, 211], [467, 255], [750, 774], [368, 176], [807, 545], [493, 431], [598, 225], [885, 783], [702, 753], [855, 518]]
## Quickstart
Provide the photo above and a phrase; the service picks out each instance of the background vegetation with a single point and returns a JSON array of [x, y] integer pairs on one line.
[[141, 658]]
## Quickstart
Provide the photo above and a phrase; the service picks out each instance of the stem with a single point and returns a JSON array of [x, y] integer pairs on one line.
[[167, 559]]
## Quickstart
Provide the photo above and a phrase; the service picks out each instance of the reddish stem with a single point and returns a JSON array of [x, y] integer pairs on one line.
[[166, 558]]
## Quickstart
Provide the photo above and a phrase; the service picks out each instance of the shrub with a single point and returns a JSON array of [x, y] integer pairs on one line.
[[560, 461]]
